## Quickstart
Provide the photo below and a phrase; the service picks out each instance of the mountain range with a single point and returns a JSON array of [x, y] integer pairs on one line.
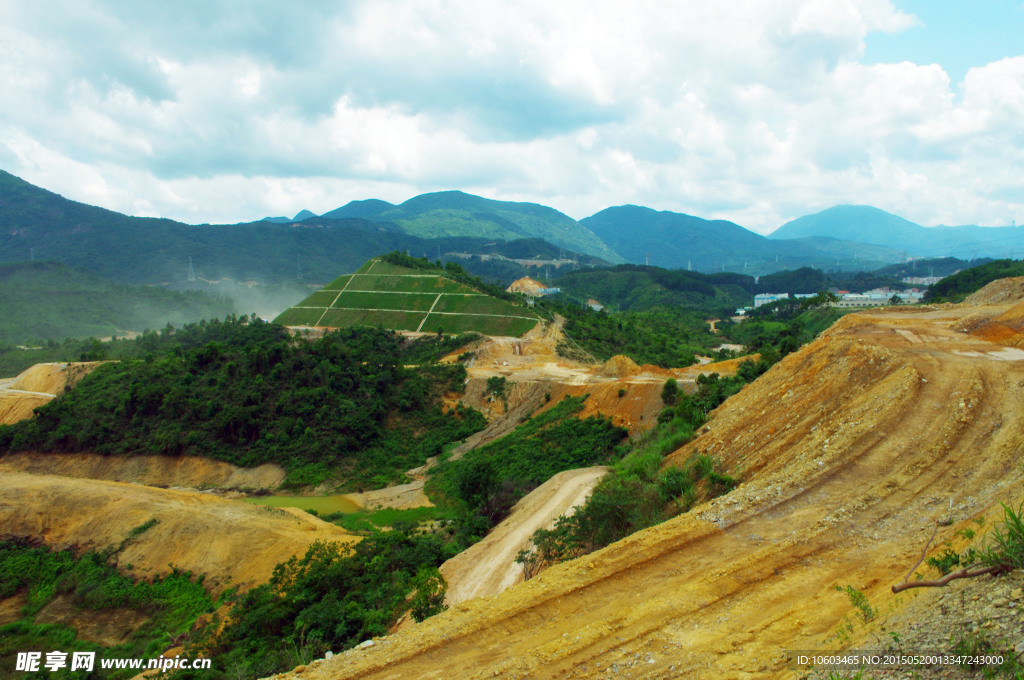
[[866, 224], [38, 224]]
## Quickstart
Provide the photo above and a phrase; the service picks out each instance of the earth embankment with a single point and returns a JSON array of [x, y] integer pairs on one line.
[[851, 451], [188, 472], [231, 542], [36, 386]]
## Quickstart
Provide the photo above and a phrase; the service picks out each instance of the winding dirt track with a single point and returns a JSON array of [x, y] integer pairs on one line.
[[490, 566], [851, 450]]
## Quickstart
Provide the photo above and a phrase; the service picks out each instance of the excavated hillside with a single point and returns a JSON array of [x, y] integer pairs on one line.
[[36, 386], [231, 542], [851, 451]]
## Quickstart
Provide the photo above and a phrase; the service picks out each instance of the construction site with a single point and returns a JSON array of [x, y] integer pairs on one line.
[[884, 440]]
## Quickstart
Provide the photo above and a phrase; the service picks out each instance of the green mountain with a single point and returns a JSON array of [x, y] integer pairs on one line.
[[871, 225], [678, 241], [407, 294], [861, 223], [454, 213], [638, 287], [235, 259], [48, 300]]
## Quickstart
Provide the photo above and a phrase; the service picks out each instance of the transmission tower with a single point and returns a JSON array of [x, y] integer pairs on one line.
[[191, 272]]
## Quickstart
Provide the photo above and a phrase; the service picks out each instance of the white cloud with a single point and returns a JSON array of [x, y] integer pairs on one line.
[[752, 110]]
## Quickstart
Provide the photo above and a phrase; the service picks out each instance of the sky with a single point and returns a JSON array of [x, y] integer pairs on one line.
[[755, 111]]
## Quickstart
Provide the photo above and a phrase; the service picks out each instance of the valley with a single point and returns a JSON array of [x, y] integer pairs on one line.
[[851, 450]]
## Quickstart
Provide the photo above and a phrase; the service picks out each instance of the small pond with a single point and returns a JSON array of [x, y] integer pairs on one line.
[[324, 505]]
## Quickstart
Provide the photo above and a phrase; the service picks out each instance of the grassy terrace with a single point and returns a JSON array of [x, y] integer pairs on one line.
[[384, 294]]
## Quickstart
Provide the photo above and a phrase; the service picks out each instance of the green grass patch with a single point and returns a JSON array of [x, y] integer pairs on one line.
[[399, 321], [408, 284], [321, 298], [299, 317], [488, 325], [411, 302], [338, 283], [382, 268], [476, 304]]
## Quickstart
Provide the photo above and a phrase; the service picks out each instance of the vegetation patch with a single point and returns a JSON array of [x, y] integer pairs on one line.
[[344, 407], [171, 603], [395, 291]]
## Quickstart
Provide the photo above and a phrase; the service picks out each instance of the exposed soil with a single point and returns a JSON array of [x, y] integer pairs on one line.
[[489, 567], [186, 472], [400, 497], [850, 451], [998, 292], [36, 386], [230, 541], [107, 627]]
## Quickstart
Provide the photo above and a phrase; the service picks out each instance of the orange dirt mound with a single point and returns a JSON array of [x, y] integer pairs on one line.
[[618, 366], [636, 410], [1013, 317], [998, 292]]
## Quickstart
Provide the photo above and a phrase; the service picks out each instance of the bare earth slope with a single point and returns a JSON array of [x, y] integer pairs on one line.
[[231, 542], [36, 386], [850, 450], [489, 567], [190, 472]]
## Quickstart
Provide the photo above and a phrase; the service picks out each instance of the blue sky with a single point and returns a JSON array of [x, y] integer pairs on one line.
[[756, 111], [956, 35]]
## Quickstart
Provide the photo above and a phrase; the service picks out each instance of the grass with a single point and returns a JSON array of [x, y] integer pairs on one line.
[[396, 297], [488, 325], [321, 298], [370, 520], [412, 302], [396, 320], [466, 304], [407, 284]]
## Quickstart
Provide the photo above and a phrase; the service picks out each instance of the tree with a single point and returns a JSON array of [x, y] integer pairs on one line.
[[895, 300], [670, 392]]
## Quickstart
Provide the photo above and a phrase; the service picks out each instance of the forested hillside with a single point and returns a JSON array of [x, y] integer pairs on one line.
[[48, 300], [344, 408]]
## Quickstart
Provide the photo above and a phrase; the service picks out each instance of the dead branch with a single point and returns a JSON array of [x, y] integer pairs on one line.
[[959, 573], [923, 553]]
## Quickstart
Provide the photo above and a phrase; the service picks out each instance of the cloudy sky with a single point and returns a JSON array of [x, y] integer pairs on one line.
[[757, 111]]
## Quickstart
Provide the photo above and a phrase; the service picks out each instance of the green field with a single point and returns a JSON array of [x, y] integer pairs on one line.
[[413, 302], [409, 283], [395, 297], [395, 320], [495, 325]]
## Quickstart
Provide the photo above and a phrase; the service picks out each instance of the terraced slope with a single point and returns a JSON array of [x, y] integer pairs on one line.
[[850, 450], [383, 294]]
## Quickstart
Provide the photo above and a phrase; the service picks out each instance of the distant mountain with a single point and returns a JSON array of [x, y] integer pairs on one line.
[[679, 241], [41, 225], [368, 209], [861, 223], [454, 213], [300, 216], [871, 225]]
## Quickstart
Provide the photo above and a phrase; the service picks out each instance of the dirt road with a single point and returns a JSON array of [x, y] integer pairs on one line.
[[489, 567], [850, 450]]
